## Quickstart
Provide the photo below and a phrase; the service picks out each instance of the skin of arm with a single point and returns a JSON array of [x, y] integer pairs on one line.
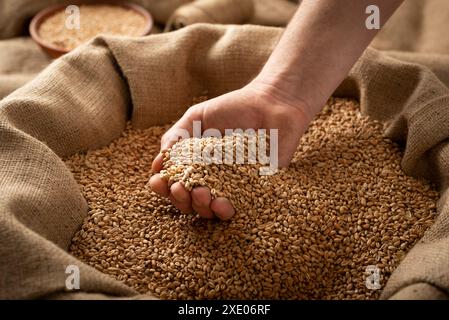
[[315, 53]]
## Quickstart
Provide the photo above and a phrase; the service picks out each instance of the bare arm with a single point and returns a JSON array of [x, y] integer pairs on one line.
[[321, 44]]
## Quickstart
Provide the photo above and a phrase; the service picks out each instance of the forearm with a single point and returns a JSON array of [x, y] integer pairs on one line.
[[321, 44]]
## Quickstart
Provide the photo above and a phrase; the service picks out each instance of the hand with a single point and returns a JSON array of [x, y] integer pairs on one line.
[[255, 106]]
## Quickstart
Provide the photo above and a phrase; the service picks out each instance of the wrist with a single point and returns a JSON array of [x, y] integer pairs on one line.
[[284, 91], [272, 104]]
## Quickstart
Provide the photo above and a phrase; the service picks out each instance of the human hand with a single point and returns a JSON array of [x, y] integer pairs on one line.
[[255, 106]]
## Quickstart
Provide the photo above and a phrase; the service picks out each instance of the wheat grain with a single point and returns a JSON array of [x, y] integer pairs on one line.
[[308, 232]]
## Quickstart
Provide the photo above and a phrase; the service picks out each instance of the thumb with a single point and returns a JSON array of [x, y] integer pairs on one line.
[[182, 129]]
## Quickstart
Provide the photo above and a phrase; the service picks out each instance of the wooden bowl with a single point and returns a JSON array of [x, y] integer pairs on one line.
[[55, 51]]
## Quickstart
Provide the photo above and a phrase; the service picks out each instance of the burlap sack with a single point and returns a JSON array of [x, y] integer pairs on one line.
[[71, 107], [260, 12], [21, 59], [82, 101], [276, 13], [16, 14], [211, 11]]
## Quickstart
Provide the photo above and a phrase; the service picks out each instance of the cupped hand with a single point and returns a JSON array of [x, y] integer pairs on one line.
[[253, 106]]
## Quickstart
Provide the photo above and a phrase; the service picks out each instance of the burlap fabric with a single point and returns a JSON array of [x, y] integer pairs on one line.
[[15, 14], [211, 11], [262, 12], [21, 59], [83, 100]]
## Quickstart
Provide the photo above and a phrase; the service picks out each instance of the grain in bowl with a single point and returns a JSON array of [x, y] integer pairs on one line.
[[94, 19]]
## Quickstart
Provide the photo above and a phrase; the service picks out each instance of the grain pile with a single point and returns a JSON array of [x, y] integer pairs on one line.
[[94, 20], [307, 232]]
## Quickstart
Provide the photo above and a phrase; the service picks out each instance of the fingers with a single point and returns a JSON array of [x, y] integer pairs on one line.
[[180, 198], [222, 208], [156, 166], [159, 185], [182, 129], [203, 204], [178, 195], [201, 200]]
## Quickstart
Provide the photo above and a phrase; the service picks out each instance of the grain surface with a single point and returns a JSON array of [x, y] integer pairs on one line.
[[308, 232], [94, 20]]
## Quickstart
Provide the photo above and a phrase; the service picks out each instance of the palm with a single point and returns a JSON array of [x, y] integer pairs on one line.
[[230, 111], [244, 108]]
